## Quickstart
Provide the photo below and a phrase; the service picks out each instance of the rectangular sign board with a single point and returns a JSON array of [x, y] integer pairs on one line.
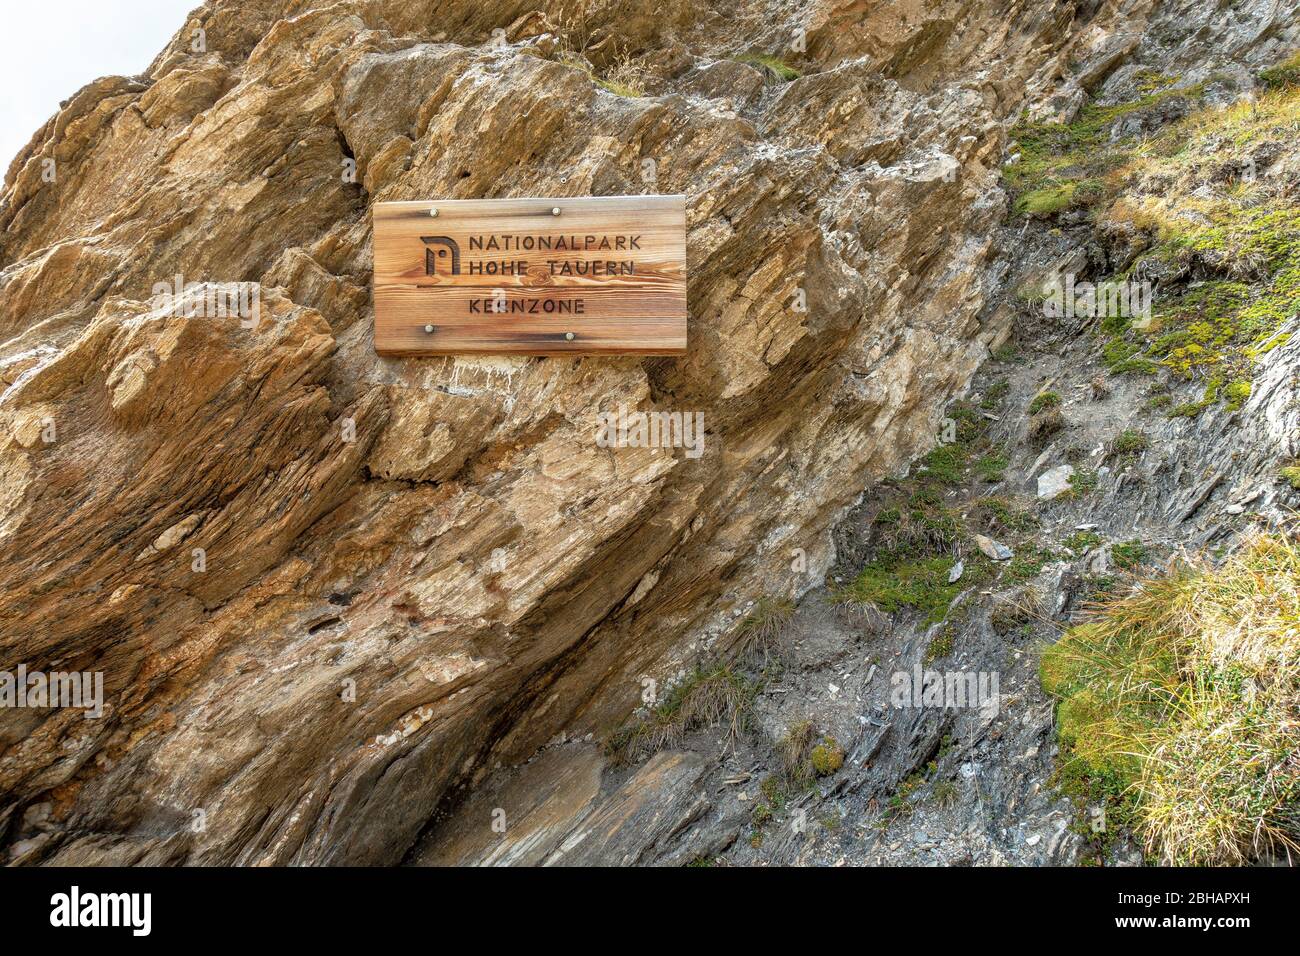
[[575, 276]]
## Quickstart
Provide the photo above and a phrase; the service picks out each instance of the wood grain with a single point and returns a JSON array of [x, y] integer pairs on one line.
[[605, 276]]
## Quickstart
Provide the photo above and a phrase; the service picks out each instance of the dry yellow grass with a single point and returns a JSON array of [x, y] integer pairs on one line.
[[1183, 699]]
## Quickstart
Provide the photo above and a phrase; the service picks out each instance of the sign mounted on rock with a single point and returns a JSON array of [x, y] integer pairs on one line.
[[593, 275]]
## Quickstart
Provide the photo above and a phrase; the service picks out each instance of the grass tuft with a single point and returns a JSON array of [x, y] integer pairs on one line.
[[1179, 705], [762, 632], [706, 698]]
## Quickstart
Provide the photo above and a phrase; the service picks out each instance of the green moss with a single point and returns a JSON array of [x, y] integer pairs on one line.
[[1291, 475], [996, 514], [1228, 262], [1046, 201], [1219, 326], [774, 792], [940, 645], [827, 757], [946, 463], [1043, 401], [1208, 398], [771, 63], [1236, 393], [1122, 357], [1064, 165], [920, 585]]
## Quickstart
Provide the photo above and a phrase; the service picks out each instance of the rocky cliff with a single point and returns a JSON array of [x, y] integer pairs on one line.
[[336, 598]]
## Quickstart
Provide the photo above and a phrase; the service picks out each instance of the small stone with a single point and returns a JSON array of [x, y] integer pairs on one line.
[[993, 549], [954, 575], [1033, 840], [1054, 481]]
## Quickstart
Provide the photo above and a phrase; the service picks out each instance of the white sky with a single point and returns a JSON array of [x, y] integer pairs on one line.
[[49, 49]]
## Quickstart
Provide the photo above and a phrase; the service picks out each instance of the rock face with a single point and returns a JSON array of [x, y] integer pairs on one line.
[[329, 593]]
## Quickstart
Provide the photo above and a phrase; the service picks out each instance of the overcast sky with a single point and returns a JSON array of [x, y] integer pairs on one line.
[[49, 49]]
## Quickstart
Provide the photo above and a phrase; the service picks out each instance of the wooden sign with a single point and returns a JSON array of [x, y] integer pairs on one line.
[[531, 276]]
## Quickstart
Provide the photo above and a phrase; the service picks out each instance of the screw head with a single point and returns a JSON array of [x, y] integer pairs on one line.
[[569, 336], [428, 328], [555, 210], [433, 213]]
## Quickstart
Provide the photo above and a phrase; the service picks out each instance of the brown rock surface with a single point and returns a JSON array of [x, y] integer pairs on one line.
[[416, 570]]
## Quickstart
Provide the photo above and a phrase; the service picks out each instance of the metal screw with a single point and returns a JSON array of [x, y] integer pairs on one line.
[[569, 336], [433, 213], [555, 210], [428, 328]]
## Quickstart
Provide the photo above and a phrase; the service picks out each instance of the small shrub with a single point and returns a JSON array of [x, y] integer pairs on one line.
[[1082, 482], [1129, 554], [1282, 75], [1081, 541], [1128, 445], [992, 467], [994, 394], [997, 515], [1016, 612]]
